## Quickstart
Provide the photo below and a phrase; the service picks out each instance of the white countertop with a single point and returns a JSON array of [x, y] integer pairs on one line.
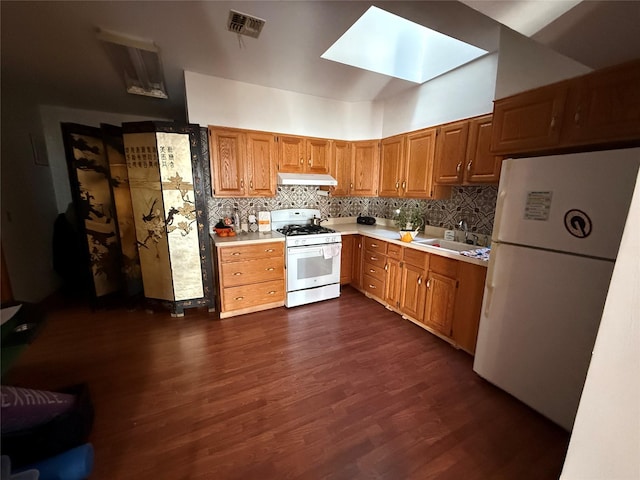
[[382, 232]]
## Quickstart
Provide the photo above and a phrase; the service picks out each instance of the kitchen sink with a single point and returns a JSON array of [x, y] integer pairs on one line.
[[444, 244]]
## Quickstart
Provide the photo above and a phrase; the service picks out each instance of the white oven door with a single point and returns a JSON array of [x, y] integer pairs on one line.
[[313, 266]]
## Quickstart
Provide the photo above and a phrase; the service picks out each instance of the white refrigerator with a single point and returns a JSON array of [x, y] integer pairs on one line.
[[559, 221]]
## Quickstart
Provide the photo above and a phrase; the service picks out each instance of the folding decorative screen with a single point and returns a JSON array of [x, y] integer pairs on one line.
[[164, 169]]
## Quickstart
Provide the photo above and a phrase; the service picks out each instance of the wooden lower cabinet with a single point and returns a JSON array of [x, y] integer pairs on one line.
[[356, 261], [346, 259], [443, 295], [251, 277]]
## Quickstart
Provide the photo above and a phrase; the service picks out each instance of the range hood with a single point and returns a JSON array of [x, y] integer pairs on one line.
[[306, 179]]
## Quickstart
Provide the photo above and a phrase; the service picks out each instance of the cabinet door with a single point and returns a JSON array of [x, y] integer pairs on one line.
[[393, 287], [529, 121], [261, 167], [441, 295], [471, 280], [451, 153], [413, 291], [291, 153], [419, 163], [391, 166], [227, 161], [364, 168], [482, 165], [318, 155], [604, 106], [340, 167], [356, 266], [346, 259]]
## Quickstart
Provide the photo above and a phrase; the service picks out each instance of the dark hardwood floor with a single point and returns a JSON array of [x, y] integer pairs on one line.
[[342, 389]]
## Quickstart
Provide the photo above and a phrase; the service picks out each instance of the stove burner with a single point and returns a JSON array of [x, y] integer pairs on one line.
[[304, 230]]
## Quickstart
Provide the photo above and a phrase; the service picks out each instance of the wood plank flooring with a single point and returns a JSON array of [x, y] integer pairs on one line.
[[342, 389]]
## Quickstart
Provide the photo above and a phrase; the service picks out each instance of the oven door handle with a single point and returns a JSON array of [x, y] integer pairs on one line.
[[308, 251]]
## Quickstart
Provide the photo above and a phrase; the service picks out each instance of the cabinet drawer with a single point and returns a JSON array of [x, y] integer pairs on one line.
[[375, 258], [252, 271], [444, 266], [374, 286], [374, 245], [246, 296], [250, 252], [416, 258], [375, 271], [394, 251]]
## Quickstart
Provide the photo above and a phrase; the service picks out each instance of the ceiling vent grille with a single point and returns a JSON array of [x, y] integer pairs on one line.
[[244, 24]]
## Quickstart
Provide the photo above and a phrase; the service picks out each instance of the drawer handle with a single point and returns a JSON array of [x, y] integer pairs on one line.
[[235, 254], [374, 245], [272, 292], [420, 280], [429, 283], [269, 250], [372, 286], [239, 298], [270, 269], [404, 185], [386, 267], [458, 167], [374, 258], [469, 166], [371, 270], [237, 273]]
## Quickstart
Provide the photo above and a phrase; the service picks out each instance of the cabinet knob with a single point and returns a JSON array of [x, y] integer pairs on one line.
[[309, 163], [458, 167], [553, 123], [420, 280], [397, 186], [404, 185], [251, 184], [469, 166], [386, 267], [428, 283], [576, 117], [351, 186], [301, 161], [241, 183]]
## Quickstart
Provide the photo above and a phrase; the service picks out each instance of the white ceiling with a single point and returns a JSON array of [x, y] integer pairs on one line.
[[50, 53]]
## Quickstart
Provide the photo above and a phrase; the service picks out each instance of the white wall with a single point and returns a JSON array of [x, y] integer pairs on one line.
[[464, 92], [605, 443], [51, 117], [525, 64], [218, 101]]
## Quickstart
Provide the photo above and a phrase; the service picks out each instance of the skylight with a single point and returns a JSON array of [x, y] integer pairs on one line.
[[385, 43]]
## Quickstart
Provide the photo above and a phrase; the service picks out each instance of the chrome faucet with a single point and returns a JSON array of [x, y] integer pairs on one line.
[[462, 224]]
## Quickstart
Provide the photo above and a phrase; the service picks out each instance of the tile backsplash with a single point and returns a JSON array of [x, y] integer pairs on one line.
[[476, 205]]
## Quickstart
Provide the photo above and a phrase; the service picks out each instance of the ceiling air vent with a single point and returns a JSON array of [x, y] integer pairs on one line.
[[244, 24]]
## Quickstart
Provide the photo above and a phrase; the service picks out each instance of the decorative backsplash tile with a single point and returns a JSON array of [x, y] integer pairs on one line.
[[475, 204]]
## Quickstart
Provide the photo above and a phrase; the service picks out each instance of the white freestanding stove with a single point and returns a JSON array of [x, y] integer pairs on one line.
[[313, 256]]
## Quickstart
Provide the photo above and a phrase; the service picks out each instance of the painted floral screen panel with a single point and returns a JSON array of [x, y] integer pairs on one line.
[[174, 152], [89, 177], [149, 215]]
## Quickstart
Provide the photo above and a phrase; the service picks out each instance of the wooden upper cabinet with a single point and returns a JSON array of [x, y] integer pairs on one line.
[[364, 168], [261, 167], [291, 154], [227, 154], [318, 155], [482, 165], [303, 155], [601, 109], [418, 171], [604, 106], [451, 153], [529, 121], [340, 167], [392, 160]]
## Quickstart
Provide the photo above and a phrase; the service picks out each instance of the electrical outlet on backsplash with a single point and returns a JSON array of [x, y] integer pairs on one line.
[[475, 205]]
